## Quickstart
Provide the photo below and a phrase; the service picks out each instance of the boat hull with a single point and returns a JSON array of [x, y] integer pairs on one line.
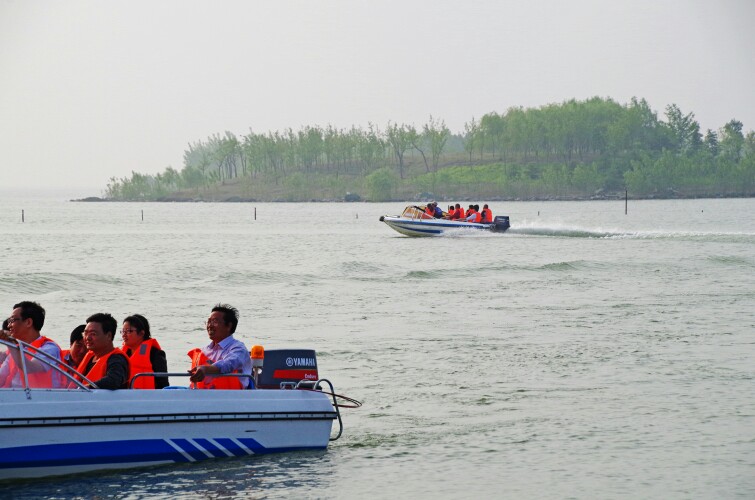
[[435, 227], [64, 431]]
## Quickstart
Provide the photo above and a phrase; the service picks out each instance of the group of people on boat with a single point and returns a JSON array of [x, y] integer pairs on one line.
[[456, 212], [95, 361]]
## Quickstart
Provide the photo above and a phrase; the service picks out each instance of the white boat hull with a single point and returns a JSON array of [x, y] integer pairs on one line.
[[430, 227], [70, 431]]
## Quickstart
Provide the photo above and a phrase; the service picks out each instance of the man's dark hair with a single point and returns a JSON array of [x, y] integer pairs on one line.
[[230, 315], [77, 333], [140, 323], [108, 323], [5, 324], [34, 311]]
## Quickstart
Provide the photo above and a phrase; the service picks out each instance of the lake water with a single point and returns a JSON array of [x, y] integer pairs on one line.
[[583, 354]]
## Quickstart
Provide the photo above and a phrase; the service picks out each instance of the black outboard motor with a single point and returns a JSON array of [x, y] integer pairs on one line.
[[500, 223], [284, 368]]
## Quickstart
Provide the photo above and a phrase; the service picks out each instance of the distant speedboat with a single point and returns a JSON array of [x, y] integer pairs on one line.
[[47, 432], [415, 222]]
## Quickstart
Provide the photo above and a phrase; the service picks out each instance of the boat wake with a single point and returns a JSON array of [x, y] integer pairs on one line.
[[566, 231]]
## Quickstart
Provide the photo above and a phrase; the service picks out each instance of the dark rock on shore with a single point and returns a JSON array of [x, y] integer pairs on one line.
[[91, 198]]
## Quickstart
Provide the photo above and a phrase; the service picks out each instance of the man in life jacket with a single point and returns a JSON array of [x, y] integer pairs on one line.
[[24, 324], [105, 365], [78, 350], [472, 214], [487, 214], [223, 355]]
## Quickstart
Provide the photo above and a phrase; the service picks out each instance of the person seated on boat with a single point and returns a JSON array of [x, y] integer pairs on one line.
[[437, 211], [105, 365], [4, 333], [78, 350], [24, 324], [460, 212], [430, 210], [451, 213], [487, 214], [223, 355], [144, 353], [472, 214]]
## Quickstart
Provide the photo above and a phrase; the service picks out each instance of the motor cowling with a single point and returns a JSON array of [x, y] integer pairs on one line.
[[500, 223], [286, 367]]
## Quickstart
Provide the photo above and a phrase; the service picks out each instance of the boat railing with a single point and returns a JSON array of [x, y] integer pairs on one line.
[[317, 386], [27, 351], [184, 374]]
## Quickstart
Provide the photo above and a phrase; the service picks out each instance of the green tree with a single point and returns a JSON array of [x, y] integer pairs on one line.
[[436, 134], [399, 138], [381, 184], [684, 129], [732, 140]]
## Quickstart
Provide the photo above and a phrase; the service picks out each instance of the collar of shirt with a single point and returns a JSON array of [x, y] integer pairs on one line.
[[222, 344]]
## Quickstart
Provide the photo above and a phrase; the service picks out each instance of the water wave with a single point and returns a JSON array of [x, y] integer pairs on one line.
[[732, 260], [41, 283]]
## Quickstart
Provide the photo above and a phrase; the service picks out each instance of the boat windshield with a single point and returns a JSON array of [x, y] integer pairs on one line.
[[412, 212]]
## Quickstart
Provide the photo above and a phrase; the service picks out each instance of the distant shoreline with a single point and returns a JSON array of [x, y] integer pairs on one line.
[[237, 199]]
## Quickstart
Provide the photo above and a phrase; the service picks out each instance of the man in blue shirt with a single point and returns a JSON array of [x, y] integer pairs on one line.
[[224, 354]]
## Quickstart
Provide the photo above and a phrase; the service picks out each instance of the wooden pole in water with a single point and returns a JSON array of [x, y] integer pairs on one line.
[[626, 202], [142, 215], [255, 213], [22, 215]]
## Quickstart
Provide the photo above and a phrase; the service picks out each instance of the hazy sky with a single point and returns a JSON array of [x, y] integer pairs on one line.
[[91, 89]]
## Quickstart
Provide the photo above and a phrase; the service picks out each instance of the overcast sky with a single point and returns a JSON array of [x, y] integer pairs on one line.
[[91, 89]]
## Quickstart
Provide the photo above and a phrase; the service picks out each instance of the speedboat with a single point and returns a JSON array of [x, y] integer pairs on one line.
[[415, 222], [47, 432]]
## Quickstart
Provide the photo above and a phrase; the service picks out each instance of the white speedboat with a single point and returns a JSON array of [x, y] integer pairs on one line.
[[415, 222], [45, 432]]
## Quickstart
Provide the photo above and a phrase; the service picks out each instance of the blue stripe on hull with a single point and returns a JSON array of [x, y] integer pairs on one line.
[[123, 452], [115, 452], [231, 446], [189, 448]]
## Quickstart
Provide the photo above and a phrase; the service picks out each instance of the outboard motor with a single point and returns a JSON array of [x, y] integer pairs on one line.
[[500, 223], [284, 368]]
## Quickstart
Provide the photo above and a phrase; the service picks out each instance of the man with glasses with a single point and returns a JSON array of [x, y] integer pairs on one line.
[[24, 324], [105, 365], [224, 354]]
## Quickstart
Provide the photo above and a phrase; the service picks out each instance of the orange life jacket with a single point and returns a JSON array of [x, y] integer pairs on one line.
[[453, 214], [198, 358], [487, 215], [139, 363], [99, 370], [38, 380], [460, 213], [65, 355], [478, 217], [429, 210]]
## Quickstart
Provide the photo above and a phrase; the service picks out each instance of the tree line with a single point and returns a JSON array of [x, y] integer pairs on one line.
[[572, 149]]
